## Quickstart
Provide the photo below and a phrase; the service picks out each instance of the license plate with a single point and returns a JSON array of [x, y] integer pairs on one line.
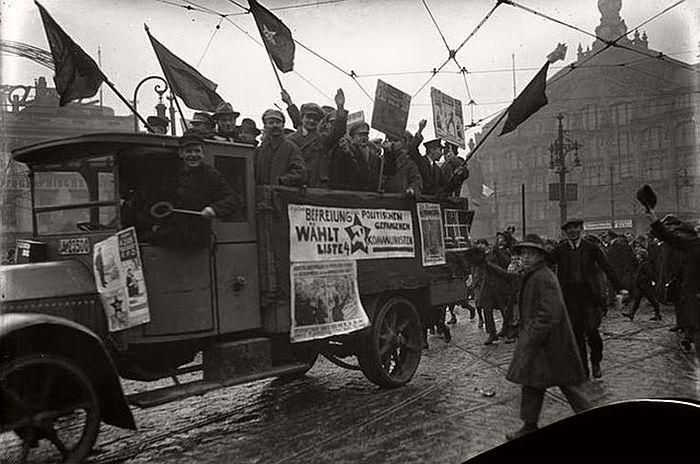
[[74, 246]]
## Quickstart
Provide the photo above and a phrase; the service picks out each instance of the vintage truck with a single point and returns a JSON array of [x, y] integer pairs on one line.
[[225, 310]]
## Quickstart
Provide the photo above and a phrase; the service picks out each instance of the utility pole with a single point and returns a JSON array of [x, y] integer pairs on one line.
[[558, 150], [612, 199]]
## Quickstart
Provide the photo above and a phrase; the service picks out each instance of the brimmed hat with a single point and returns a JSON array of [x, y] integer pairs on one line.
[[328, 110], [572, 222], [249, 125], [432, 143], [363, 126], [531, 241], [312, 108], [225, 108], [673, 223], [191, 137], [202, 118], [157, 121], [273, 114]]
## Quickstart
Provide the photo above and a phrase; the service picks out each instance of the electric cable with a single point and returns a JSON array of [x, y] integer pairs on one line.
[[442, 36], [211, 39]]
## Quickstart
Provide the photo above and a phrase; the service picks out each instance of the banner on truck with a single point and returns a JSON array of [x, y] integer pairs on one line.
[[432, 234], [325, 300], [120, 282]]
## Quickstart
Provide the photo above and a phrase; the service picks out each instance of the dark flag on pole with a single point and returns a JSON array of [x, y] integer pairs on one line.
[[276, 36], [533, 97], [77, 75], [530, 100], [198, 92]]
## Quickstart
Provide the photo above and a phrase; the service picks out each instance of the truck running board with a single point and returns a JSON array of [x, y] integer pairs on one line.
[[151, 398]]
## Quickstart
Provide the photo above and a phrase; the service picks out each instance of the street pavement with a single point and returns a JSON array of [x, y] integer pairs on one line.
[[457, 405]]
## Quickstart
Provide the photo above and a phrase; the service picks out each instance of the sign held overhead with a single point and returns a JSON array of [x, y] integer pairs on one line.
[[448, 118], [390, 112]]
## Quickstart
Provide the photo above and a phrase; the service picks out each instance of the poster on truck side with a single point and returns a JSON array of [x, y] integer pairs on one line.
[[120, 282], [431, 233], [448, 119], [322, 233], [325, 300]]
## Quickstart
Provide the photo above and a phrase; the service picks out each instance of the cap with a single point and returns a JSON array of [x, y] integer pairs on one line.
[[202, 118], [359, 127], [572, 222], [191, 137], [288, 131], [433, 143], [225, 108], [249, 125], [312, 108], [273, 114], [328, 110], [531, 241]]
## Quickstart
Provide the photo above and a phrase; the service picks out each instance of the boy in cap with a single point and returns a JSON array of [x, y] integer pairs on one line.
[[644, 286], [316, 148], [545, 352], [277, 160]]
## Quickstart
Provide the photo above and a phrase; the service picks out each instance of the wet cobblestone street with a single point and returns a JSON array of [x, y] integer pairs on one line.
[[458, 405]]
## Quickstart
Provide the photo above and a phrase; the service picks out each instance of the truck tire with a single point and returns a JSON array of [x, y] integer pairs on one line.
[[48, 397], [390, 350]]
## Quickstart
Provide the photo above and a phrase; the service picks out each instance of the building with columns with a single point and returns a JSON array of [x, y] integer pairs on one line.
[[634, 116]]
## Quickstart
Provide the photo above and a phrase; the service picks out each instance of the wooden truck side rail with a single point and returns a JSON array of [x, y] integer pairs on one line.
[[438, 284]]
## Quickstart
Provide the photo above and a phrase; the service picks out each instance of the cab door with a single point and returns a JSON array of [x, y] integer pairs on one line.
[[236, 250]]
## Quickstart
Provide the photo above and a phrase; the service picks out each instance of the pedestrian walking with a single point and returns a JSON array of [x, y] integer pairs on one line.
[[545, 353], [643, 286], [576, 262]]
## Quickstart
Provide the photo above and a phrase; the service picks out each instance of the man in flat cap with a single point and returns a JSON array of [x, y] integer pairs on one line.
[[576, 262], [203, 124], [248, 132], [433, 178], [197, 187], [278, 161], [225, 118], [158, 124], [315, 147], [356, 164]]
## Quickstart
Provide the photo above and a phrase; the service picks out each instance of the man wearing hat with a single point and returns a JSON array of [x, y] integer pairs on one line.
[[225, 118], [576, 262], [198, 187], [158, 124], [545, 352], [248, 132], [643, 286], [683, 237], [433, 178], [203, 124], [315, 147], [356, 163], [277, 160]]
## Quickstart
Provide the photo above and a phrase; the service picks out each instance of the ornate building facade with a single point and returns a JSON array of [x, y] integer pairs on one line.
[[30, 114], [635, 118]]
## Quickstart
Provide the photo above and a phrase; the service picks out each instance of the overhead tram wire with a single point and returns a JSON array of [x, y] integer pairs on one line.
[[211, 39], [454, 53], [351, 74], [442, 36]]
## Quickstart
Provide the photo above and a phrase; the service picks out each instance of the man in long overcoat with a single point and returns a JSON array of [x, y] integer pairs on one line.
[[576, 262], [545, 353]]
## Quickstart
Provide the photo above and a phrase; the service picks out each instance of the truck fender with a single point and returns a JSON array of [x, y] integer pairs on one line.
[[23, 333]]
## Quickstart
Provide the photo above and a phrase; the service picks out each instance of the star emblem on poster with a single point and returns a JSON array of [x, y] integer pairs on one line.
[[358, 234], [269, 35], [116, 304]]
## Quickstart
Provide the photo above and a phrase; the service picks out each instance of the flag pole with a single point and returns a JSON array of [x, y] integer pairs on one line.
[[274, 68], [483, 139], [126, 102], [177, 103]]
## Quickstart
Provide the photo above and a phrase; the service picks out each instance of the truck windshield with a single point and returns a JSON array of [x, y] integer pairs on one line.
[[75, 195]]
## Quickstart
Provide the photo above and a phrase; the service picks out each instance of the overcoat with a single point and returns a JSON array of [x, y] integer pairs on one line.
[[279, 162], [406, 176], [545, 353]]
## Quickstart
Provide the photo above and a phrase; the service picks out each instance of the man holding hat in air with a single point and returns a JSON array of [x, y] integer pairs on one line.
[[545, 352], [198, 187], [576, 262], [316, 147], [277, 160]]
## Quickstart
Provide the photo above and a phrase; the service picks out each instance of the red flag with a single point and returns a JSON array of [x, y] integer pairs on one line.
[[276, 36], [530, 100], [198, 92], [77, 75]]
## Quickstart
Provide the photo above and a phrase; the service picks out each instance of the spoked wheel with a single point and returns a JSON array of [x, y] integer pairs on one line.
[[49, 410], [391, 348]]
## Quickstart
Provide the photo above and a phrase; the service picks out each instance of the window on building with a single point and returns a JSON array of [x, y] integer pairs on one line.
[[684, 134], [620, 114], [590, 117]]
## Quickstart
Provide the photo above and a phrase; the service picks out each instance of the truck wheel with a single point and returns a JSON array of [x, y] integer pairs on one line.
[[390, 350], [47, 398]]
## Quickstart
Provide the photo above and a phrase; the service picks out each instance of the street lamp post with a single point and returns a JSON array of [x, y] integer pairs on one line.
[[558, 150], [157, 88]]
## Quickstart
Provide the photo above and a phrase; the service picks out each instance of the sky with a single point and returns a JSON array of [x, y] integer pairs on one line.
[[373, 38]]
